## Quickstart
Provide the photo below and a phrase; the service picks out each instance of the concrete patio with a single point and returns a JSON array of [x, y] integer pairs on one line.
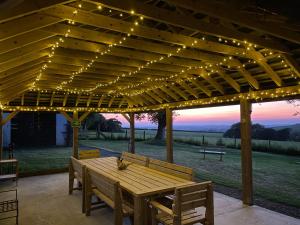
[[44, 200]]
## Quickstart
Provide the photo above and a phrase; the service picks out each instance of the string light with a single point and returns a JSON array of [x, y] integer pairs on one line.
[[106, 51], [253, 95]]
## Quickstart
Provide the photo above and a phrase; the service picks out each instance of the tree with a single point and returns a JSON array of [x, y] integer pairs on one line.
[[259, 132], [158, 118]]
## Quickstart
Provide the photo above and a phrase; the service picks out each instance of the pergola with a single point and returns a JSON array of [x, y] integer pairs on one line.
[[134, 56]]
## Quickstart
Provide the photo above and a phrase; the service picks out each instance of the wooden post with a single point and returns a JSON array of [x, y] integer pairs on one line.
[[169, 136], [132, 134], [75, 125], [1, 135], [246, 152]]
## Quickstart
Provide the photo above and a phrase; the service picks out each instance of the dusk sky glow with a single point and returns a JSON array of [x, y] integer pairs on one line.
[[269, 114]]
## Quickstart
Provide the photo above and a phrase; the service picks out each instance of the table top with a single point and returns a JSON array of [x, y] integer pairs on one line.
[[136, 179]]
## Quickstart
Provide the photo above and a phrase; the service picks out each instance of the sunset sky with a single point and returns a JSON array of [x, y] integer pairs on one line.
[[269, 114]]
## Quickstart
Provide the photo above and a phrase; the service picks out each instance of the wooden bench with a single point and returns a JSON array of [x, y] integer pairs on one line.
[[89, 154], [171, 168], [109, 191], [137, 159], [212, 152], [185, 207], [77, 171], [9, 169]]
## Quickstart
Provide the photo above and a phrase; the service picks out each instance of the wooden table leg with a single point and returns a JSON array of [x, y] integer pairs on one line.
[[138, 210], [141, 212]]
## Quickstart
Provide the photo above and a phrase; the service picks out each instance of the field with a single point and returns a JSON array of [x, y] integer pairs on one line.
[[195, 137]]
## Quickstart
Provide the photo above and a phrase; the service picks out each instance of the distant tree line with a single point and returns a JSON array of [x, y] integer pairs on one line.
[[96, 121], [259, 132]]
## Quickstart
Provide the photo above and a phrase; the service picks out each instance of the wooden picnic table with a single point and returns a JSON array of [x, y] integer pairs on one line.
[[140, 181]]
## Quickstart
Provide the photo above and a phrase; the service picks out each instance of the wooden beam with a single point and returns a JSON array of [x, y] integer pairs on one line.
[[248, 76], [38, 99], [188, 88], [170, 93], [132, 134], [123, 100], [204, 89], [261, 60], [179, 92], [88, 102], [111, 101], [101, 100], [52, 98], [126, 116], [230, 14], [282, 93], [65, 99], [202, 73], [110, 23], [169, 135], [246, 152], [9, 117], [28, 7], [22, 99], [83, 116], [68, 118], [26, 24], [77, 99], [186, 21], [228, 78], [292, 63]]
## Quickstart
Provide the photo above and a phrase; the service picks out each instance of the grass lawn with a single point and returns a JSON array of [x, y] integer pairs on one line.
[[276, 177]]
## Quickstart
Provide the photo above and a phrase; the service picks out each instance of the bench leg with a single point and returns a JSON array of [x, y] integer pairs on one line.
[[221, 157]]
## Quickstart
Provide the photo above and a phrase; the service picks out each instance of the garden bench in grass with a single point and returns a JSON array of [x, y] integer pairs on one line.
[[213, 151]]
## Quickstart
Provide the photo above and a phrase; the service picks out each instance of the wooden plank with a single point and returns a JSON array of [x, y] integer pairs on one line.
[[169, 135], [68, 118], [179, 92], [26, 24], [228, 78], [83, 116], [9, 117], [204, 89], [246, 152], [65, 99], [101, 100], [25, 8], [186, 21], [118, 25], [52, 98], [230, 14]]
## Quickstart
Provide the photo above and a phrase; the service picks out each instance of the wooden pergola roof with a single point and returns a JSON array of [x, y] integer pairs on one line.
[[133, 55]]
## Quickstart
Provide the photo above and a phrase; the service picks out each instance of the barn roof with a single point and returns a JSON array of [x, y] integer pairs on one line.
[[133, 55]]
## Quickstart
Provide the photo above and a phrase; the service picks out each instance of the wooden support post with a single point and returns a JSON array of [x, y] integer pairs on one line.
[[1, 135], [132, 134], [75, 125], [169, 136], [246, 152]]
